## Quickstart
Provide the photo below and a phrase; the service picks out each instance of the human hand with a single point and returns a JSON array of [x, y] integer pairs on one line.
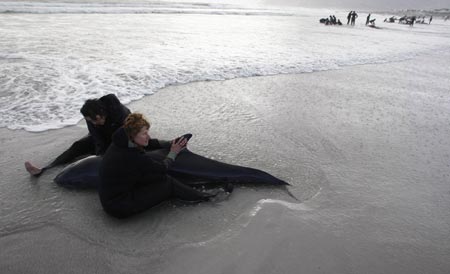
[[178, 144]]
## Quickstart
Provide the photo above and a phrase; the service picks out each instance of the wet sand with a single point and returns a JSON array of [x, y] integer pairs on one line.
[[365, 148]]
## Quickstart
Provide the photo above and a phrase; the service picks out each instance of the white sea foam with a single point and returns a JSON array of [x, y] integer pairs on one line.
[[132, 7], [51, 63]]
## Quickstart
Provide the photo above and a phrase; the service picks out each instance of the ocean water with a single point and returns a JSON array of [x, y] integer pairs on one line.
[[55, 55]]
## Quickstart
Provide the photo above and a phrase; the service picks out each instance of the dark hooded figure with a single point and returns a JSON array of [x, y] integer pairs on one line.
[[349, 17], [368, 19], [132, 181], [103, 117], [412, 20], [354, 16]]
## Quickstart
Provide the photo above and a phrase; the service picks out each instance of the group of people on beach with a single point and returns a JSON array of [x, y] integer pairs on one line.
[[331, 20], [131, 180], [409, 20], [351, 17], [422, 20]]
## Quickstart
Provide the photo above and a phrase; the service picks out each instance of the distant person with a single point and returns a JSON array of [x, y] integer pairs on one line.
[[354, 16], [431, 19], [334, 20], [131, 180], [349, 17], [103, 116], [339, 22], [368, 19], [412, 20], [402, 19]]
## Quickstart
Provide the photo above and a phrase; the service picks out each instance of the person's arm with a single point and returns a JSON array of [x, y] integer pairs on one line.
[[154, 170], [100, 145], [116, 115], [164, 143], [157, 144], [152, 167]]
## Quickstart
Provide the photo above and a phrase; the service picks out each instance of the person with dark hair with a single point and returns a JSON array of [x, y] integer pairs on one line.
[[92, 108], [412, 20], [354, 16], [334, 20], [368, 19], [349, 17], [132, 181], [103, 117]]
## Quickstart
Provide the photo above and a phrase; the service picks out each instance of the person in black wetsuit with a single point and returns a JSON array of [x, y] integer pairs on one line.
[[354, 16], [131, 181], [368, 19], [103, 117]]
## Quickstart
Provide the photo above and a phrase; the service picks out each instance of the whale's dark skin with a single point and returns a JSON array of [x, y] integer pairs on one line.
[[189, 168]]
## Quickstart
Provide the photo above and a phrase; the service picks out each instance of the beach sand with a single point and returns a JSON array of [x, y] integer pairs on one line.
[[366, 149]]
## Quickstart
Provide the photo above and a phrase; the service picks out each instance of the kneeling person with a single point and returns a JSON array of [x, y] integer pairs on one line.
[[103, 117], [131, 181]]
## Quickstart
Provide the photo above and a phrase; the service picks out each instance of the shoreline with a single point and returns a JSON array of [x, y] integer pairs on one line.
[[415, 55], [79, 129]]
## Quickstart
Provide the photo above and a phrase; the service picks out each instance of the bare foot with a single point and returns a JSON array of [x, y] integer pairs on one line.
[[33, 170]]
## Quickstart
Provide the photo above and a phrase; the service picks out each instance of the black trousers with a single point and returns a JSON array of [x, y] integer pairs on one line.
[[148, 196], [84, 146]]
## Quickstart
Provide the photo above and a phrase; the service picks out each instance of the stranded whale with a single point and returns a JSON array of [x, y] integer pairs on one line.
[[189, 168]]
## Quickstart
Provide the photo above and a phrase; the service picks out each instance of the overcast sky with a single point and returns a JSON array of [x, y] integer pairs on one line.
[[365, 4]]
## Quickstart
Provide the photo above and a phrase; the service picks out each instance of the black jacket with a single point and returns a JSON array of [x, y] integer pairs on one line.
[[124, 169], [116, 113]]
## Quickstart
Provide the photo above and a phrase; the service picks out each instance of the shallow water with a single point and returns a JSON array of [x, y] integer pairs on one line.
[[52, 62]]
